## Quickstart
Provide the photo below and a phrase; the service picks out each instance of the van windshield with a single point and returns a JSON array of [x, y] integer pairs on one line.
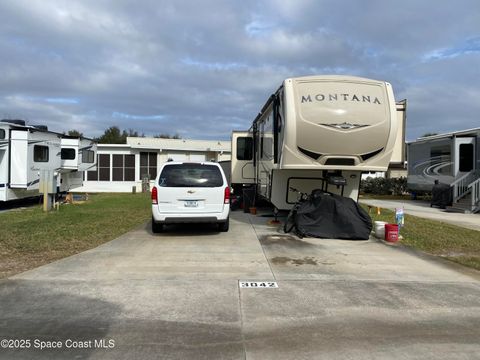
[[190, 175]]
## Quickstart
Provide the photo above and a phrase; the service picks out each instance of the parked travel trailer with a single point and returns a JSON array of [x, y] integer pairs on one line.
[[318, 132], [78, 155], [452, 159], [26, 151]]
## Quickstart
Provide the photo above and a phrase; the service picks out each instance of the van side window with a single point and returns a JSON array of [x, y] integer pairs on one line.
[[67, 154], [40, 153], [244, 148], [2, 134]]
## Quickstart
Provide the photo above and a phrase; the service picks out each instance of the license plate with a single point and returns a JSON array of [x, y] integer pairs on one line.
[[191, 203]]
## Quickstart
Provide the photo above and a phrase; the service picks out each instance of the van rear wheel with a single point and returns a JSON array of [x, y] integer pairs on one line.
[[156, 227], [223, 226]]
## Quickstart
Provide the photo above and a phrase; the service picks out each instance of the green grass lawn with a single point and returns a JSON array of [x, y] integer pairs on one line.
[[437, 238], [30, 237]]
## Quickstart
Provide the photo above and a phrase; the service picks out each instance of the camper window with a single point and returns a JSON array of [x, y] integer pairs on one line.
[[40, 153], [244, 148], [2, 134], [68, 154], [88, 156]]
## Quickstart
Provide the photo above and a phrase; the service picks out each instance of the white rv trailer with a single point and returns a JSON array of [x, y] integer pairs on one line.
[[452, 159], [78, 155], [24, 152], [319, 132]]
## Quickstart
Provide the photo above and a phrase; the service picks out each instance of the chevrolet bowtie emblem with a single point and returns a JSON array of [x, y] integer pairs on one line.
[[345, 126], [190, 191]]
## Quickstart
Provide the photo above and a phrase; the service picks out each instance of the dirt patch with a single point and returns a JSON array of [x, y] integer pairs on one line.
[[283, 260], [284, 240], [15, 263]]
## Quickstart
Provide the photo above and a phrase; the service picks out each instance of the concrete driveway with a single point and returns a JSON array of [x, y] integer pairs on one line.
[[176, 296]]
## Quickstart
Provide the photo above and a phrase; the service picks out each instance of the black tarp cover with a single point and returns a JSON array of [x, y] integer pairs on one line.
[[330, 216]]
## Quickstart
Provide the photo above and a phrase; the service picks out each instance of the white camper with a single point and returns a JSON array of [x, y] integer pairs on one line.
[[452, 159], [318, 132], [78, 155], [24, 152]]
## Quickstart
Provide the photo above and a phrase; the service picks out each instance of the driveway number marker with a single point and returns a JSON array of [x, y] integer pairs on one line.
[[257, 284]]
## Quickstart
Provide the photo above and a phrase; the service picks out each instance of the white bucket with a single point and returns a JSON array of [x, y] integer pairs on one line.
[[380, 229]]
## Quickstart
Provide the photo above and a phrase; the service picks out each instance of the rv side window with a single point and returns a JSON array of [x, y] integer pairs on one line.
[[88, 156], [244, 148], [68, 154], [2, 134], [40, 153]]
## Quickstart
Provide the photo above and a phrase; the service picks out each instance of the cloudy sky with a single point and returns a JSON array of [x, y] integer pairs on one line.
[[204, 68]]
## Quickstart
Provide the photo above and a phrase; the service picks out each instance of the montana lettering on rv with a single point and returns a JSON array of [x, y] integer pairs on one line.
[[341, 97]]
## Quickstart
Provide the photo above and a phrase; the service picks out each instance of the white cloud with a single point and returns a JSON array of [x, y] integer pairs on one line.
[[467, 47], [62, 100], [137, 117]]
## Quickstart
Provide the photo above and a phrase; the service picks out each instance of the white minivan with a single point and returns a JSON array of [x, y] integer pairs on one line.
[[190, 192]]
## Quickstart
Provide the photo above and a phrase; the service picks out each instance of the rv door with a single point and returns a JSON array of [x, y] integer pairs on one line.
[[20, 162], [242, 158], [464, 155]]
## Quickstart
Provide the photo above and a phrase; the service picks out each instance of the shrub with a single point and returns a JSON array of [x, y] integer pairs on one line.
[[382, 186]]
